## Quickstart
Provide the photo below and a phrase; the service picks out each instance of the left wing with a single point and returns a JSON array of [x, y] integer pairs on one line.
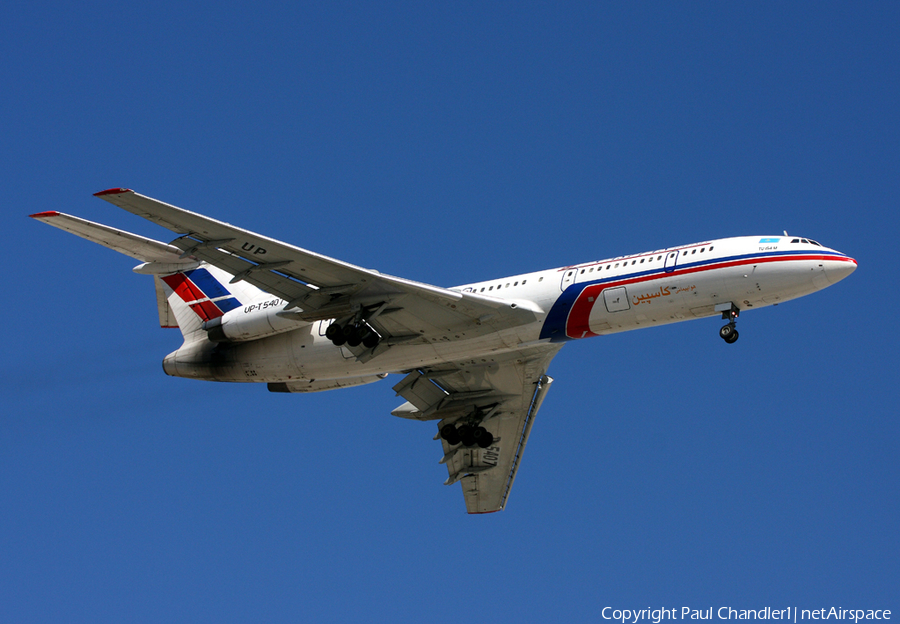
[[320, 288], [501, 394]]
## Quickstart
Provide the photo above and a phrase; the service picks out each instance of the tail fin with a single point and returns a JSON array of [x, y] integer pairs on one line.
[[188, 292], [200, 294]]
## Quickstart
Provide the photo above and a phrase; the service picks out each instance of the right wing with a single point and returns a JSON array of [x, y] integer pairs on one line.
[[502, 394]]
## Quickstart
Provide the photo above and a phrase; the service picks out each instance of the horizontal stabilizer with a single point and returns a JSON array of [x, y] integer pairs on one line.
[[138, 247]]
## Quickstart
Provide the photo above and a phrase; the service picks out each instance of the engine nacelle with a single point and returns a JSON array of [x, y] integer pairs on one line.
[[258, 320]]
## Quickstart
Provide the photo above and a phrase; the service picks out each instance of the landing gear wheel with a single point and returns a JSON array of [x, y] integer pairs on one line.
[[355, 338], [728, 333], [483, 437], [466, 435], [333, 331], [450, 434]]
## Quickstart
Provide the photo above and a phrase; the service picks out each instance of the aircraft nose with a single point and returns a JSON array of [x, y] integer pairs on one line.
[[836, 270]]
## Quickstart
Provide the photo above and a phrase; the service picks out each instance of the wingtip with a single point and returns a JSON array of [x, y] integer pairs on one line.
[[44, 215], [112, 191]]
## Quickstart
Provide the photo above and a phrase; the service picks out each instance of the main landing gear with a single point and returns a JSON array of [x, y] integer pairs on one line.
[[467, 435], [353, 334], [730, 312]]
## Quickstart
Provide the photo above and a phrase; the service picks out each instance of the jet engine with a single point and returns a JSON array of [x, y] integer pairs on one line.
[[261, 319]]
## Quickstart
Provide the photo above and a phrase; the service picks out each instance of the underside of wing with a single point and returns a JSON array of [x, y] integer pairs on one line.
[[485, 409], [318, 288]]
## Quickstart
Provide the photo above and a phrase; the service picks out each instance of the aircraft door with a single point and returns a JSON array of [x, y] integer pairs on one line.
[[616, 299], [671, 260], [568, 278]]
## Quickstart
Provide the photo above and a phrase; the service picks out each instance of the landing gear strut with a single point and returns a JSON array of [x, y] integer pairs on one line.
[[730, 312]]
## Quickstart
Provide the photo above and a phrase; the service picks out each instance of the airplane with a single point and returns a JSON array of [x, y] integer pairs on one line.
[[474, 358]]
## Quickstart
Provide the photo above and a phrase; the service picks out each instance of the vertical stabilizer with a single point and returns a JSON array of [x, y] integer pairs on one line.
[[199, 295]]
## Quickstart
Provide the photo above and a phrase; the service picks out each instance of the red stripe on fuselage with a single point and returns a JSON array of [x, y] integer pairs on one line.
[[577, 325]]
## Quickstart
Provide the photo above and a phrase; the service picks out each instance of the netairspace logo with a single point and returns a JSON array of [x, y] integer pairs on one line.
[[636, 616]]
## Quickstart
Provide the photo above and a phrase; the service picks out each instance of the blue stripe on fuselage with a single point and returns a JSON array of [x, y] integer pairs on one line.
[[555, 324]]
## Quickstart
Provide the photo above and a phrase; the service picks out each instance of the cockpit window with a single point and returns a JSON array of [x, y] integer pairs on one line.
[[807, 241]]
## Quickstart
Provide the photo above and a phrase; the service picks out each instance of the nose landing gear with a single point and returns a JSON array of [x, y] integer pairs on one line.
[[729, 333], [730, 312]]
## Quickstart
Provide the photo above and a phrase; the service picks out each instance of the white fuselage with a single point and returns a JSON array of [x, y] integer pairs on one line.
[[580, 301]]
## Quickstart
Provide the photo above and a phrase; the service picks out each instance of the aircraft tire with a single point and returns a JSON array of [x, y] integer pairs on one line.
[[332, 331], [450, 434], [483, 437], [466, 435]]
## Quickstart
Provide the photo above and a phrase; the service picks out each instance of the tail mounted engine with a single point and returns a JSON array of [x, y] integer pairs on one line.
[[265, 318]]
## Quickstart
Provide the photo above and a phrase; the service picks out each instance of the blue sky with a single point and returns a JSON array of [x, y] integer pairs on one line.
[[451, 144]]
